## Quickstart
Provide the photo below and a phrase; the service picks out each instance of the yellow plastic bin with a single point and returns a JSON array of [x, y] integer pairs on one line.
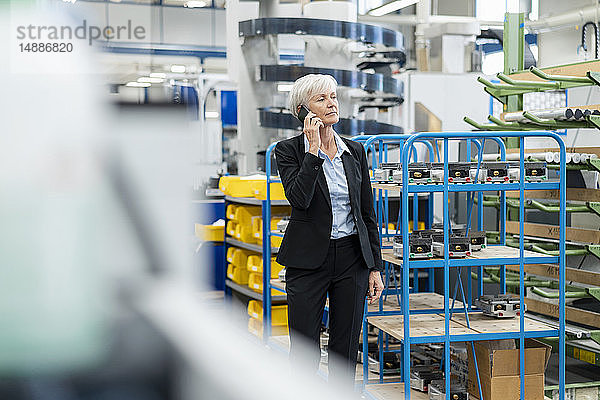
[[231, 227], [255, 264], [240, 258], [255, 327], [255, 283], [230, 211], [278, 313], [277, 193], [257, 231], [210, 233], [245, 215], [240, 186], [230, 253], [238, 275]]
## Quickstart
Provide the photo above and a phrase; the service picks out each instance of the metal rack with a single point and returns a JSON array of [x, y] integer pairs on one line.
[[462, 322]]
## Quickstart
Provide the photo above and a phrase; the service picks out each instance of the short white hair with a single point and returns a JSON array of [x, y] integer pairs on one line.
[[307, 86]]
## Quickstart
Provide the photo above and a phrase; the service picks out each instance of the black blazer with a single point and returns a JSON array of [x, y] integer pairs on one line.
[[306, 240]]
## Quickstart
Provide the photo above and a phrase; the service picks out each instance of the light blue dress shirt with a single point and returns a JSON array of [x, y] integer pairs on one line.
[[343, 220]]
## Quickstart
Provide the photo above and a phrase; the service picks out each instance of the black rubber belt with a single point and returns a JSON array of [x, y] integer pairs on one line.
[[365, 33], [353, 79], [275, 118]]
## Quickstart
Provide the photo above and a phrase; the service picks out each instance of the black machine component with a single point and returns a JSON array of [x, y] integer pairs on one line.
[[477, 238], [281, 118], [535, 171], [499, 305], [459, 246], [495, 172], [419, 247], [421, 376], [418, 173], [354, 79], [437, 391], [369, 34], [458, 172]]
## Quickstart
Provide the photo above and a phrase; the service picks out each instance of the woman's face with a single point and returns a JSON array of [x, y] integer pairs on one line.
[[325, 106]]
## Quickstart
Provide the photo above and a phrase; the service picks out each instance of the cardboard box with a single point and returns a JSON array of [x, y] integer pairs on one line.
[[498, 365]]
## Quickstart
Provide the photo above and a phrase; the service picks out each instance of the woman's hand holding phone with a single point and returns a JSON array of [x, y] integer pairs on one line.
[[311, 129]]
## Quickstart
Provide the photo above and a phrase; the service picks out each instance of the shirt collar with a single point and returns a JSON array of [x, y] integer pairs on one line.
[[341, 145]]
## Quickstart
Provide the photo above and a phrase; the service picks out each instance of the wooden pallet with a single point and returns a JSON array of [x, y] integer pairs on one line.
[[482, 324]]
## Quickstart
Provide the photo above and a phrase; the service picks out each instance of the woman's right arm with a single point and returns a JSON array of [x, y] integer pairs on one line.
[[298, 179]]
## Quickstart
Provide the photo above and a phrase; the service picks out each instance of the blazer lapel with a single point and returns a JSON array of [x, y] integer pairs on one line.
[[350, 171], [321, 180]]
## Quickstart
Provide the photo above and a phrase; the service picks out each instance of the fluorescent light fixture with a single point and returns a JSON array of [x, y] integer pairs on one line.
[[149, 79], [391, 7], [158, 75], [194, 4], [138, 84], [69, 1], [211, 114], [178, 68], [284, 87]]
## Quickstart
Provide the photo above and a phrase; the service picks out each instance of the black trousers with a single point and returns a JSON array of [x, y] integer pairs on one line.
[[344, 276]]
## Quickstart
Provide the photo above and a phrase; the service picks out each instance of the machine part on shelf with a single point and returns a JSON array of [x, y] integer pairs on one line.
[[418, 173], [459, 172], [534, 171], [281, 118], [370, 83], [495, 172], [499, 305], [281, 275], [420, 247], [555, 295], [421, 376], [459, 246], [385, 172], [437, 391], [369, 34], [478, 239], [282, 224]]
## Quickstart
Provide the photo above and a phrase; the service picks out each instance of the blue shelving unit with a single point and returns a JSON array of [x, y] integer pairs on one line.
[[266, 250], [494, 255]]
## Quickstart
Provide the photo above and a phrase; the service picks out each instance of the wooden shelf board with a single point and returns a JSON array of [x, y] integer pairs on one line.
[[482, 324], [573, 194], [579, 235], [575, 315], [551, 270], [488, 252], [420, 325], [393, 391], [574, 69]]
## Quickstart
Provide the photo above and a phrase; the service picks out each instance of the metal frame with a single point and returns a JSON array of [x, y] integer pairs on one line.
[[407, 265]]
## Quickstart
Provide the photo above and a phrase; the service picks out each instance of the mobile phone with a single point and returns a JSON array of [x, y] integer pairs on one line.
[[303, 113]]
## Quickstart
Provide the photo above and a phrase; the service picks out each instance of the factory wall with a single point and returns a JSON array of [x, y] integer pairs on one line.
[[170, 25]]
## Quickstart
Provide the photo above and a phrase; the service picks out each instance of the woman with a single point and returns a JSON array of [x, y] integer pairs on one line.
[[331, 244]]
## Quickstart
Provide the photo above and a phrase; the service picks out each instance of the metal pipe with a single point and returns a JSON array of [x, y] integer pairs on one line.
[[562, 114], [556, 295]]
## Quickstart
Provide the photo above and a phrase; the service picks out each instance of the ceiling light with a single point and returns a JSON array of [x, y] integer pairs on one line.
[[284, 87], [69, 1], [138, 84], [391, 7], [211, 114], [178, 68], [149, 79], [194, 4], [158, 75]]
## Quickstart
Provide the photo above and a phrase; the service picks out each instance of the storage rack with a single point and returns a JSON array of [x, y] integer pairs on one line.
[[466, 324], [266, 250]]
